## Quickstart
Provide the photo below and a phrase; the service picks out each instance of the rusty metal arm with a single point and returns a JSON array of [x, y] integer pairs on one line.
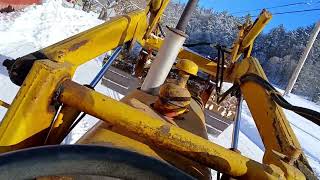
[[256, 29], [89, 44], [274, 128], [163, 134], [157, 8], [32, 110], [65, 55], [247, 34], [271, 122]]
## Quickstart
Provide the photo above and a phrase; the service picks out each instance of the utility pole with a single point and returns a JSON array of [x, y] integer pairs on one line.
[[303, 58]]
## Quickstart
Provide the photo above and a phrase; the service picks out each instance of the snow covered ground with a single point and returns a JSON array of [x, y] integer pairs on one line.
[[36, 27]]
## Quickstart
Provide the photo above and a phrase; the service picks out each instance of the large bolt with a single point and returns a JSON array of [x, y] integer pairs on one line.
[[175, 97]]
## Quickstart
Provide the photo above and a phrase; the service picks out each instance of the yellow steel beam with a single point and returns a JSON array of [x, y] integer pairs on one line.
[[61, 127], [203, 63], [257, 27], [155, 5], [247, 34], [163, 134], [93, 42], [158, 7], [89, 44], [269, 117], [194, 121], [236, 45], [32, 110], [248, 51], [273, 126]]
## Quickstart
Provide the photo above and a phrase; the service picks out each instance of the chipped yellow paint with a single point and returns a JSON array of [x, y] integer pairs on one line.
[[89, 44], [32, 110], [162, 134]]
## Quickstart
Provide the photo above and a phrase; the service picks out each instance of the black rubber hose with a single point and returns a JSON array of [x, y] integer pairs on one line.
[[197, 44], [161, 30], [309, 114]]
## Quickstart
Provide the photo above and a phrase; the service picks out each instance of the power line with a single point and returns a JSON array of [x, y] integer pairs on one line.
[[290, 12], [298, 11], [274, 7]]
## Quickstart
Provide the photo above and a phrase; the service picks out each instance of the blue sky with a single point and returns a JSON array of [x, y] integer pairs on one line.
[[290, 21]]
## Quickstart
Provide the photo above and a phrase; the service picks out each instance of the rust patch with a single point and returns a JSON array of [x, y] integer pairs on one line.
[[165, 129], [60, 54], [78, 45]]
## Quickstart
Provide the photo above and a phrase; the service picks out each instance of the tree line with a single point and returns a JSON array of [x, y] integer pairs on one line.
[[277, 50]]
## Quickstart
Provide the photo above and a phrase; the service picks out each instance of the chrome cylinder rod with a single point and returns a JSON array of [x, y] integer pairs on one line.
[[236, 129]]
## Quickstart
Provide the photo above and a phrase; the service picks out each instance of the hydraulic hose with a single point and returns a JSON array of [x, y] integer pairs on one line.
[[309, 114]]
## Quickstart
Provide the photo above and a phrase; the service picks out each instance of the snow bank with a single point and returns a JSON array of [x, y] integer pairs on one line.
[[44, 25]]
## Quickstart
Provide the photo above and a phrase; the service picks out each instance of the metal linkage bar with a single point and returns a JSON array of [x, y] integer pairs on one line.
[[95, 81], [235, 135], [4, 104], [257, 27], [105, 67], [89, 44], [162, 133]]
